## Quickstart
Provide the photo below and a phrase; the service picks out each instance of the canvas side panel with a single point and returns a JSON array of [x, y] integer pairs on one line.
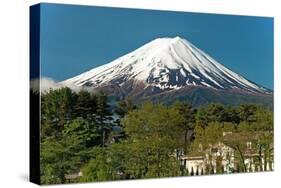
[[34, 144]]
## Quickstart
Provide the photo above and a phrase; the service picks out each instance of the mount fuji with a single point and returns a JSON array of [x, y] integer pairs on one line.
[[168, 69]]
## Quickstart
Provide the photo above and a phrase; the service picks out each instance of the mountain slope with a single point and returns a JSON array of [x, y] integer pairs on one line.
[[165, 65]]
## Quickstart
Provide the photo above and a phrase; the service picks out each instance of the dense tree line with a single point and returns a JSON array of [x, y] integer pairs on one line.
[[84, 132]]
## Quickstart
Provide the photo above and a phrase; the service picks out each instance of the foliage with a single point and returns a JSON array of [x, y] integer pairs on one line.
[[78, 134], [154, 129]]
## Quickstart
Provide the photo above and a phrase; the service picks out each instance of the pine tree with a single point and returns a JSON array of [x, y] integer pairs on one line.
[[84, 131], [197, 172], [208, 170], [212, 170], [57, 110], [103, 116], [85, 105], [238, 168], [187, 172], [188, 120], [122, 108], [256, 168], [219, 165], [192, 172]]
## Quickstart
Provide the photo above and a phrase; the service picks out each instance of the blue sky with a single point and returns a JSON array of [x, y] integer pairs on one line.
[[75, 39]]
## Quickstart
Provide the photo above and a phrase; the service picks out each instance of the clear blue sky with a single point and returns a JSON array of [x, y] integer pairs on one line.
[[75, 39]]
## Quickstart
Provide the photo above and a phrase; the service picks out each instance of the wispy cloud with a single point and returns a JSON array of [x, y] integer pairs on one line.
[[48, 83]]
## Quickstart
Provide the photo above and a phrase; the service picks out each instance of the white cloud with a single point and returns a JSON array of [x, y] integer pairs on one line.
[[48, 83]]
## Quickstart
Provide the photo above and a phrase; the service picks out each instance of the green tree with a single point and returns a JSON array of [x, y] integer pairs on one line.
[[59, 158], [103, 116], [188, 120], [212, 112], [197, 172], [85, 132], [57, 110], [219, 165], [154, 130], [85, 105], [246, 112], [192, 172], [66, 155], [210, 135], [124, 106], [98, 168]]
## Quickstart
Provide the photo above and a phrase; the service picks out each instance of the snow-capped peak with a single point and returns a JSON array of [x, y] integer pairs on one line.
[[166, 63]]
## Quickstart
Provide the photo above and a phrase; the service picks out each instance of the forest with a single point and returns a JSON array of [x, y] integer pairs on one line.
[[86, 137]]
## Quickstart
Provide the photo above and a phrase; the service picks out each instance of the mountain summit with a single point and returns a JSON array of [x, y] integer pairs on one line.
[[164, 64]]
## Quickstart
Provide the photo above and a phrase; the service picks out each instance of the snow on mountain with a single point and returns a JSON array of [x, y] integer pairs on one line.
[[166, 63]]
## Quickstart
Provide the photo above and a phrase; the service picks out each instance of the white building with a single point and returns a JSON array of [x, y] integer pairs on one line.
[[220, 158]]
